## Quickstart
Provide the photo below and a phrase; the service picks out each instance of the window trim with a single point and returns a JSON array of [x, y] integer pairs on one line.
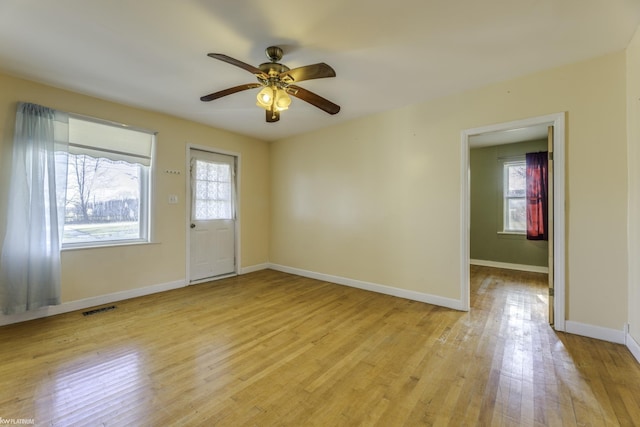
[[147, 180]]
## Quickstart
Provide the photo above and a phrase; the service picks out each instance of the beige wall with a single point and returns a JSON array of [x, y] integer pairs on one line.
[[633, 134], [95, 272], [378, 199]]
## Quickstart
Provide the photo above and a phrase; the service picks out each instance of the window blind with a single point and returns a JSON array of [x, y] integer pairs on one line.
[[114, 142]]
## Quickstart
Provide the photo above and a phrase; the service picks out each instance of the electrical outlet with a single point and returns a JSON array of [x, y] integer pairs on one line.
[[173, 199]]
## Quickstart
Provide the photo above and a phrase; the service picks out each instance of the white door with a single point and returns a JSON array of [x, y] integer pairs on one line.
[[213, 217]]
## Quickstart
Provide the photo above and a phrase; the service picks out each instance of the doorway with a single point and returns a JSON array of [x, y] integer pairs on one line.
[[506, 133], [212, 214]]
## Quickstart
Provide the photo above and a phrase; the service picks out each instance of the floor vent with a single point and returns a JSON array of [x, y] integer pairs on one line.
[[98, 310]]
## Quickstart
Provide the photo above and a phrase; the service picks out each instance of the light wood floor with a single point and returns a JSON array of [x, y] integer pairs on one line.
[[269, 348]]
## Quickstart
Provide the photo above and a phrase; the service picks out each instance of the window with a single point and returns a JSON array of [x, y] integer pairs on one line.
[[514, 201], [108, 184]]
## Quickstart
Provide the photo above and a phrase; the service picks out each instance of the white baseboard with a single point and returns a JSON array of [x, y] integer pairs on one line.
[[89, 302], [374, 287], [510, 266], [597, 332], [633, 347], [252, 268]]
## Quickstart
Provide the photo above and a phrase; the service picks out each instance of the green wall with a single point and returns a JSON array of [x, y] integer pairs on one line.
[[487, 243]]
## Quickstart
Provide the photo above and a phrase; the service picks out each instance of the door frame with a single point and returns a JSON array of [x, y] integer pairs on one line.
[[236, 156], [556, 120]]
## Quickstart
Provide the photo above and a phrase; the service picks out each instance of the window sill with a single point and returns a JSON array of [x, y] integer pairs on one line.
[[512, 233], [105, 245]]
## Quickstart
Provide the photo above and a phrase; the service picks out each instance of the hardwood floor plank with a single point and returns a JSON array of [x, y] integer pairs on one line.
[[273, 349]]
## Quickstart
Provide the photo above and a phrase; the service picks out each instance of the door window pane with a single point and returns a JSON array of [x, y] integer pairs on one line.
[[213, 193]]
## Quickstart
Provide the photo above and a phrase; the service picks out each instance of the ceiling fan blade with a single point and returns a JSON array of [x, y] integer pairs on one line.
[[229, 60], [308, 72], [229, 91], [313, 99], [273, 116]]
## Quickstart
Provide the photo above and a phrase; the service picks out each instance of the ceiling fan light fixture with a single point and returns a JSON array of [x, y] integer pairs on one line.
[[282, 100], [272, 98], [265, 97]]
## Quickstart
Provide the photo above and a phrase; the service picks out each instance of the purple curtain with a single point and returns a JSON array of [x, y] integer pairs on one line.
[[537, 196]]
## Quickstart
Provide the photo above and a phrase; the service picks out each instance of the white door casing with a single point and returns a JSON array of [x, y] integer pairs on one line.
[[556, 120], [550, 148]]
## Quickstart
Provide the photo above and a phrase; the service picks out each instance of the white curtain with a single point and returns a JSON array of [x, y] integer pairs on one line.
[[30, 261]]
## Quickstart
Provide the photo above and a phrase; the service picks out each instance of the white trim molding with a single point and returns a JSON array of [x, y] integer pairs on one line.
[[374, 287], [597, 332], [90, 302], [253, 268], [633, 347], [510, 266]]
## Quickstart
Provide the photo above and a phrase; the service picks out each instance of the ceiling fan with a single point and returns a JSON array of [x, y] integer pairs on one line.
[[278, 82]]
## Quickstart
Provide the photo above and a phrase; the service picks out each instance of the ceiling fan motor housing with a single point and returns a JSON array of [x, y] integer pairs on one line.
[[273, 69]]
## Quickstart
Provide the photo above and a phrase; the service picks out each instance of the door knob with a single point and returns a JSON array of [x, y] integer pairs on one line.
[[193, 226]]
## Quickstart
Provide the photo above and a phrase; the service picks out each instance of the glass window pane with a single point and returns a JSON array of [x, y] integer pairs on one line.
[[516, 216], [516, 180], [213, 191], [103, 200]]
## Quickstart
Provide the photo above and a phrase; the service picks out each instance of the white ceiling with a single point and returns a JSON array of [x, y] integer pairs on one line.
[[387, 54]]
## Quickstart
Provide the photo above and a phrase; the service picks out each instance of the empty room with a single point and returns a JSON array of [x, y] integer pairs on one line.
[[320, 213]]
